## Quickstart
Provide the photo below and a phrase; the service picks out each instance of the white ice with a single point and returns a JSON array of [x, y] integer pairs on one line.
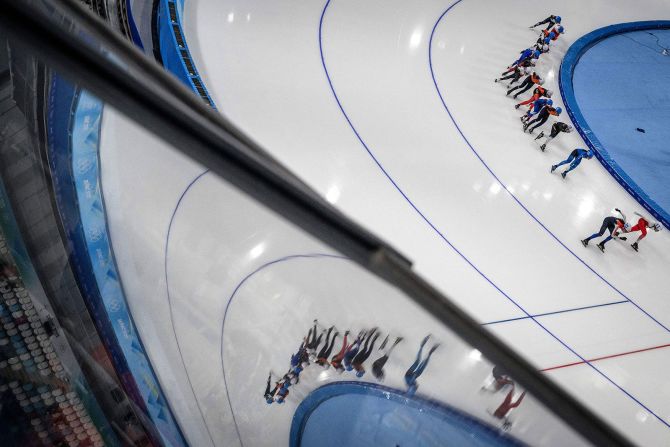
[[464, 230]]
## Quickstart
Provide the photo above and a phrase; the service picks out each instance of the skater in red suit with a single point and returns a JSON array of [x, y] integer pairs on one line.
[[506, 406], [336, 361], [539, 92], [555, 32], [642, 224], [552, 35], [280, 391]]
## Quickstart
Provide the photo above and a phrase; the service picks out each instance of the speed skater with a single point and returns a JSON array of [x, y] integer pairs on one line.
[[556, 128], [543, 46], [613, 224], [515, 74], [535, 108], [352, 350], [336, 361], [526, 63], [363, 354], [539, 92], [312, 342], [417, 368], [526, 55], [280, 391], [527, 84], [269, 393], [298, 360], [642, 224], [541, 118], [575, 158], [506, 406], [378, 365], [551, 34], [324, 353], [550, 21]]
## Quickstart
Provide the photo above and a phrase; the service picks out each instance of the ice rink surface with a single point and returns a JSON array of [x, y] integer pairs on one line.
[[387, 109]]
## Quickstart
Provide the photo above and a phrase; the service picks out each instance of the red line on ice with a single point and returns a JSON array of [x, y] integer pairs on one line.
[[605, 357]]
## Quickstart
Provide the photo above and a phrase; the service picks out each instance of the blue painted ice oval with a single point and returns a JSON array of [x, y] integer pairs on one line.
[[358, 414], [622, 84]]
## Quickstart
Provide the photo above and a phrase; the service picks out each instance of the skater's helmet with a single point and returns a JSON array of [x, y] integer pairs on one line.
[[550, 102], [589, 153], [536, 54], [656, 226], [548, 93], [569, 129], [558, 19], [561, 29], [541, 81], [545, 47]]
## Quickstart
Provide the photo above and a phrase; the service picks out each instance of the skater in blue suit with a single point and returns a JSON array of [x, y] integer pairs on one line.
[[615, 224], [537, 106], [574, 159], [526, 55], [352, 351], [418, 367]]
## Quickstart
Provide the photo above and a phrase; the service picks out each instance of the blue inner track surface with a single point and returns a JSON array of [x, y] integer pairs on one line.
[[365, 414], [614, 81], [623, 84]]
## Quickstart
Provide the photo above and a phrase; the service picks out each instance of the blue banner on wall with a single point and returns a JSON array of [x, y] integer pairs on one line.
[[86, 176], [74, 131]]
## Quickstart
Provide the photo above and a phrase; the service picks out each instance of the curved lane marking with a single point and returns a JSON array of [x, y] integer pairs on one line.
[[441, 234]]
